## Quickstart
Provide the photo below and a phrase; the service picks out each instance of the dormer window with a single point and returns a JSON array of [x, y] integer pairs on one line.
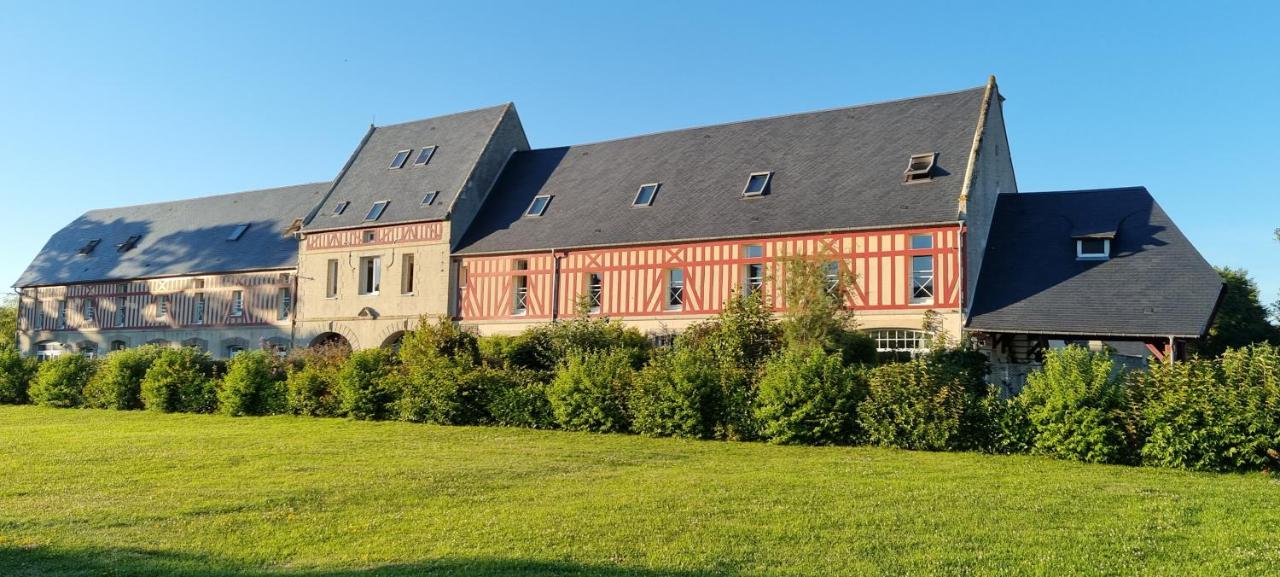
[[430, 198], [401, 158], [644, 196], [341, 207], [757, 184], [129, 243], [90, 245], [539, 205], [375, 211], [1093, 248], [237, 232], [425, 156], [920, 167]]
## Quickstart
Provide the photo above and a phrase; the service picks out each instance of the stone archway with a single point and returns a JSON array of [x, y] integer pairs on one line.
[[330, 339], [393, 340]]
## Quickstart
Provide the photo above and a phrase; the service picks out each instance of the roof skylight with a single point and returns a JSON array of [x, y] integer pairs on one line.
[[425, 156], [757, 184], [90, 245], [430, 198], [375, 211], [129, 243], [920, 167], [644, 196], [401, 157], [539, 205], [238, 232], [341, 207]]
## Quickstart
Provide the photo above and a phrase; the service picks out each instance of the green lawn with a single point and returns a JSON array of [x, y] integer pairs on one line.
[[96, 492]]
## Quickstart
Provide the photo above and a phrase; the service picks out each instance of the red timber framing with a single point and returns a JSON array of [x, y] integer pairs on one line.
[[260, 293], [634, 278]]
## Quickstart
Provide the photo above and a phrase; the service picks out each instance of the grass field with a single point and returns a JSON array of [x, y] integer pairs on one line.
[[95, 492]]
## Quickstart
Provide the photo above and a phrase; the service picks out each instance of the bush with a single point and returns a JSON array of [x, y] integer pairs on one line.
[[931, 402], [1002, 424], [678, 394], [60, 381], [1212, 415], [253, 385], [312, 382], [16, 373], [443, 391], [519, 399], [443, 338], [117, 384], [744, 335], [365, 390], [810, 396], [180, 380], [1075, 405], [589, 393]]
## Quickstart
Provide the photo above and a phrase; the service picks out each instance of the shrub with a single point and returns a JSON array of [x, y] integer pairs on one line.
[[253, 385], [117, 384], [1075, 405], [931, 402], [312, 391], [519, 399], [365, 390], [498, 351], [60, 381], [678, 394], [809, 396], [442, 337], [1212, 415], [744, 334], [443, 391], [180, 380], [16, 373], [589, 392], [1002, 424]]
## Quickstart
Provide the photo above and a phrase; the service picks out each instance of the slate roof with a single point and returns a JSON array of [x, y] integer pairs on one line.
[[179, 237], [1155, 283], [459, 140], [832, 170]]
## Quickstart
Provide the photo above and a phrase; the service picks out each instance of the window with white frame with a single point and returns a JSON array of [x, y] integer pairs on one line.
[[922, 288], [89, 310], [39, 309], [520, 288], [921, 241], [199, 309], [331, 279], [406, 274], [539, 205], [375, 211], [900, 340], [122, 311], [284, 303], [675, 289], [400, 158], [595, 291], [237, 303], [425, 156], [831, 273], [430, 198], [752, 273], [644, 196], [1093, 248], [162, 306], [370, 275], [62, 314], [757, 184]]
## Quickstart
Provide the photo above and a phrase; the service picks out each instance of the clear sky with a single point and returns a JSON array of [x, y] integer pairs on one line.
[[129, 102]]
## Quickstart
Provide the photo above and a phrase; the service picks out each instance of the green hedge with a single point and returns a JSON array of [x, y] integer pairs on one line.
[[366, 389], [180, 381], [117, 384], [1076, 407], [810, 397], [254, 385], [16, 374], [60, 381], [589, 392]]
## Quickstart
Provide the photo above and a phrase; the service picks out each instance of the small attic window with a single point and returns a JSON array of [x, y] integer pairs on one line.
[[424, 156], [401, 157], [341, 207], [644, 196], [375, 211], [757, 184], [920, 168], [430, 198], [237, 232], [90, 245], [1093, 248], [539, 205], [129, 243]]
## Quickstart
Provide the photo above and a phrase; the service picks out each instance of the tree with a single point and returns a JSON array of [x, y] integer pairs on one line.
[[8, 322], [1242, 319]]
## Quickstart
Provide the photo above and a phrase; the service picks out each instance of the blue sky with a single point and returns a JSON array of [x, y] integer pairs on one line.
[[125, 103]]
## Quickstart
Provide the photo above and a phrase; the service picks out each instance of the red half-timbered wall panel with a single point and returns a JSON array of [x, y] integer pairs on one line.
[[634, 278]]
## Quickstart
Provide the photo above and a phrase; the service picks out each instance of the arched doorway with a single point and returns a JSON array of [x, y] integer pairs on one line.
[[197, 344], [331, 339], [393, 341]]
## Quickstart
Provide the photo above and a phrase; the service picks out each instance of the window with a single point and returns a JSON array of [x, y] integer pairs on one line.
[[375, 211], [237, 232], [757, 184], [595, 292], [331, 279], [368, 236], [644, 196], [341, 207], [430, 198], [90, 245], [198, 283], [129, 243], [831, 272], [122, 287], [1093, 248], [119, 346], [675, 289], [425, 156], [89, 310], [401, 157], [237, 303], [920, 167], [122, 311], [520, 305], [370, 275], [753, 273], [62, 314], [162, 306], [900, 340], [39, 314], [233, 350], [406, 274], [921, 241], [199, 309], [284, 303], [921, 280], [539, 205]]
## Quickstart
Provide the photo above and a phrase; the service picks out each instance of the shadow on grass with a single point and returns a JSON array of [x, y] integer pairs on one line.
[[41, 561]]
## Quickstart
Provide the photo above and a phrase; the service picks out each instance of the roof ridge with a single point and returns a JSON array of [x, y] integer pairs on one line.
[[205, 197], [449, 115], [1079, 190], [764, 118]]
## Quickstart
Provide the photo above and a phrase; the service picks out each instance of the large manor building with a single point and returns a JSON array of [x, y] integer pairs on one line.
[[916, 200]]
